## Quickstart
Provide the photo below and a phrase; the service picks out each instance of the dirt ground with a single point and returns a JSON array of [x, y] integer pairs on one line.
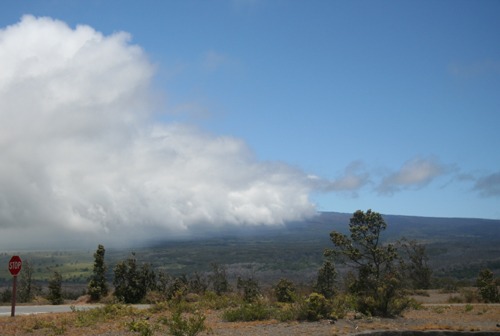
[[435, 314], [458, 317]]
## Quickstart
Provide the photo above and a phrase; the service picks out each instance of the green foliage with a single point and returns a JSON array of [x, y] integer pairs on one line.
[[284, 291], [250, 288], [218, 279], [131, 282], [213, 301], [342, 304], [190, 325], [418, 272], [325, 283], [90, 317], [55, 289], [378, 281], [142, 327], [177, 289], [256, 311], [487, 286], [6, 295], [314, 308], [197, 284], [97, 286], [27, 288], [51, 327]]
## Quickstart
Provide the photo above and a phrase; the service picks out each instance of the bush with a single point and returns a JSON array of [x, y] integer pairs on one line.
[[55, 289], [284, 291], [250, 288], [213, 301], [314, 308], [487, 286], [142, 327], [179, 325], [248, 312]]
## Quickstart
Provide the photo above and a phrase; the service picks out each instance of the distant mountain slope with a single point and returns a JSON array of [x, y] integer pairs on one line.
[[413, 227]]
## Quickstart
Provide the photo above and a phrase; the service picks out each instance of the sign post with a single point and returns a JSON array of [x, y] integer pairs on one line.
[[15, 264]]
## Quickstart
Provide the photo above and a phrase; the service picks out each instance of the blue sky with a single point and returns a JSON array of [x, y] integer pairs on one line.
[[390, 105]]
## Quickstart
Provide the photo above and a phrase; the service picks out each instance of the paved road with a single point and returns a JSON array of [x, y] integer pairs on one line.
[[28, 310]]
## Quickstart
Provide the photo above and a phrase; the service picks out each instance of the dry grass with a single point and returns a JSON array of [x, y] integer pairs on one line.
[[116, 320]]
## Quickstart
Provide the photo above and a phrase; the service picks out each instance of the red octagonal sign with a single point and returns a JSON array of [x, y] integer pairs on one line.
[[15, 264]]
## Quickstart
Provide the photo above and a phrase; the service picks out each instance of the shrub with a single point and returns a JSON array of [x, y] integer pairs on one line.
[[314, 308], [248, 312], [179, 325], [142, 327], [284, 291], [55, 289], [250, 288], [213, 301], [487, 286]]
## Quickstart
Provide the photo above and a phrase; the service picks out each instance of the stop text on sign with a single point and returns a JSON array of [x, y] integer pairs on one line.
[[13, 265]]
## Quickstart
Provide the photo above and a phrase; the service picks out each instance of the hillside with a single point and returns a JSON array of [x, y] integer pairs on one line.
[[457, 247]]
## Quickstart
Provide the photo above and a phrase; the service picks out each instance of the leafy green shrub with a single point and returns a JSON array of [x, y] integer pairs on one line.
[[325, 283], [287, 312], [284, 291], [341, 305], [250, 289], [141, 326], [85, 318], [487, 286], [470, 295], [51, 327], [191, 325], [314, 308], [257, 311], [211, 300], [55, 289]]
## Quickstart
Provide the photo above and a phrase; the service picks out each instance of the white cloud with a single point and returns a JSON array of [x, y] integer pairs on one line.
[[415, 173], [82, 158]]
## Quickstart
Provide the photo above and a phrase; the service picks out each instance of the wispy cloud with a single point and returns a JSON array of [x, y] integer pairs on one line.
[[213, 60], [474, 69], [352, 180], [489, 185], [415, 173]]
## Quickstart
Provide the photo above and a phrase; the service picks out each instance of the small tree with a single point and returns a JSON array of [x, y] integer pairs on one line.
[[132, 283], [250, 288], [219, 279], [27, 288], [284, 291], [325, 283], [487, 286], [97, 286], [418, 270], [378, 279], [197, 284], [55, 289]]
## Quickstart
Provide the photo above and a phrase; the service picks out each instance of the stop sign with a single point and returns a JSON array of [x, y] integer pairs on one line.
[[15, 264]]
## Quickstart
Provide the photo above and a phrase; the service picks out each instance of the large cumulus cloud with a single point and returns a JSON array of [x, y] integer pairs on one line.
[[81, 155]]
